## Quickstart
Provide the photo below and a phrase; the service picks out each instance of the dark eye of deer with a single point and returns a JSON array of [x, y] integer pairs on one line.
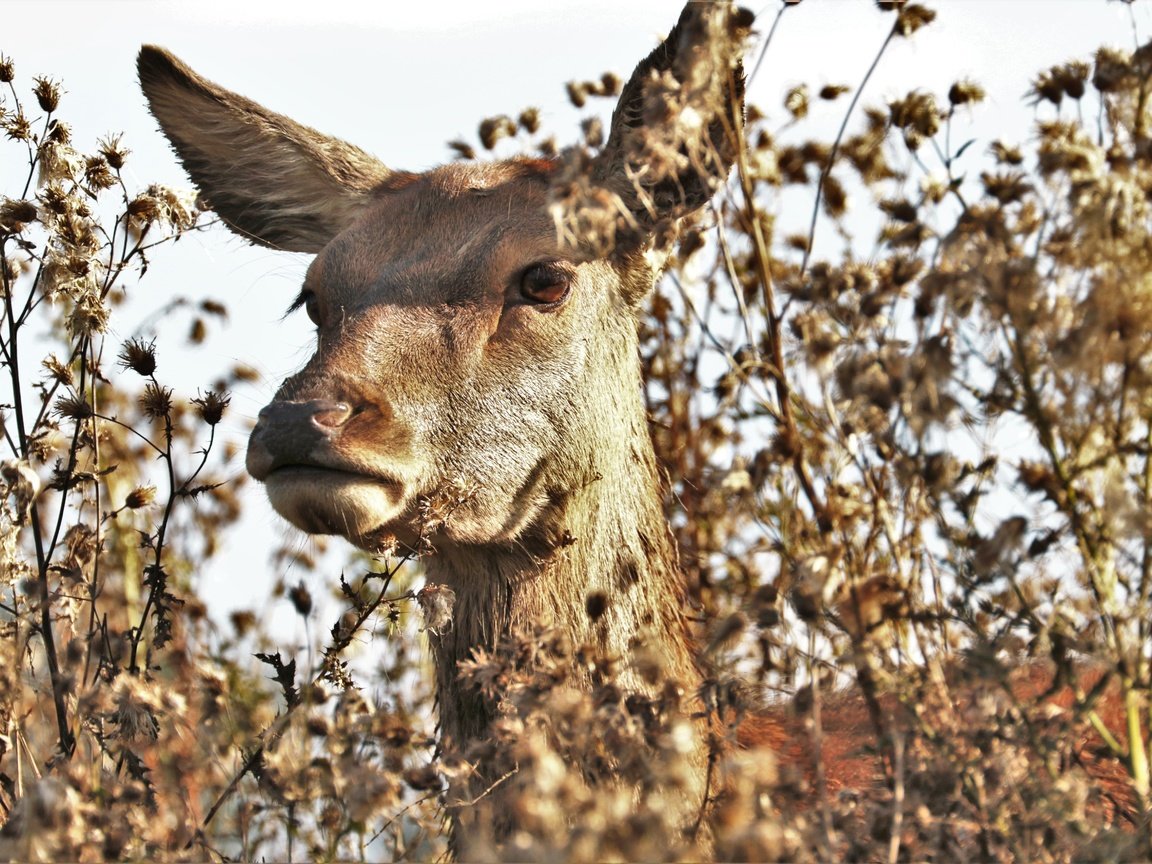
[[545, 284], [312, 308]]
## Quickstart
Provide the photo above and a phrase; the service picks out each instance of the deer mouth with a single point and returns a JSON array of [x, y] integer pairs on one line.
[[324, 500]]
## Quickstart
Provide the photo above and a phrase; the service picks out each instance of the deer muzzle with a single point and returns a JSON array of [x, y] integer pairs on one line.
[[296, 435]]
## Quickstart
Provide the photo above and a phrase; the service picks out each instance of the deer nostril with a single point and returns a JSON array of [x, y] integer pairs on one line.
[[330, 415]]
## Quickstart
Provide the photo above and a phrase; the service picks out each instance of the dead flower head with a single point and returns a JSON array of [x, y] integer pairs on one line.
[[139, 356]]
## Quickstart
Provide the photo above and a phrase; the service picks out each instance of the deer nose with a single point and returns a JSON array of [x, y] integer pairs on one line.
[[294, 434], [322, 413]]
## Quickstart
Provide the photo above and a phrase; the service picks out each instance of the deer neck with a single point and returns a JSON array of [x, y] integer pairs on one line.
[[598, 566]]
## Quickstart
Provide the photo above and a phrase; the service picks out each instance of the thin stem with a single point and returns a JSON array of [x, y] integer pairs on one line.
[[836, 148]]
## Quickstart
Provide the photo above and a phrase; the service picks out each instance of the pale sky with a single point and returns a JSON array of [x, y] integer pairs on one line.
[[402, 79]]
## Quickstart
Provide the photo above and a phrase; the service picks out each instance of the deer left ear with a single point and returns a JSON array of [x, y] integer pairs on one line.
[[676, 129]]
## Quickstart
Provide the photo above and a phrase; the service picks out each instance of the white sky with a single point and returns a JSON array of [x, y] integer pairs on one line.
[[401, 79]]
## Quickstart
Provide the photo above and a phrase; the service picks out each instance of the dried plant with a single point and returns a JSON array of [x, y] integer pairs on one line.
[[913, 641]]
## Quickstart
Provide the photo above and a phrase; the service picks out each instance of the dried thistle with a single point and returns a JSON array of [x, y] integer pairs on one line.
[[462, 149], [156, 400], [966, 93], [141, 496], [139, 356], [113, 151], [73, 407], [831, 92], [212, 406], [47, 93], [529, 120], [911, 17], [301, 599], [492, 129], [796, 102]]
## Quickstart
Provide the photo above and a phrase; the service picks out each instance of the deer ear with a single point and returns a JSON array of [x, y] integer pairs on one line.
[[269, 178], [675, 130]]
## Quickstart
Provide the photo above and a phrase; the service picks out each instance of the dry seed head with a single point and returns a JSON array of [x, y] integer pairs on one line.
[[7, 69], [593, 128], [47, 93], [139, 497], [529, 120], [139, 356], [462, 149], [112, 150], [243, 621], [22, 485], [796, 101], [727, 633], [17, 126], [97, 173], [916, 113], [912, 17], [301, 599], [59, 132], [73, 407], [965, 92], [576, 93], [900, 209], [1072, 77], [156, 401], [492, 129], [212, 405], [1113, 70], [198, 331], [835, 198], [58, 370], [1006, 155], [1048, 88], [15, 214], [90, 315], [830, 92]]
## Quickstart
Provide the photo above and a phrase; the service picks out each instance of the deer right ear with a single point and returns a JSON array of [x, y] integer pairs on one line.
[[675, 131], [269, 178]]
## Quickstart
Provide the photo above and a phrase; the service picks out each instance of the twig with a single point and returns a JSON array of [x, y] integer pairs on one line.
[[897, 797]]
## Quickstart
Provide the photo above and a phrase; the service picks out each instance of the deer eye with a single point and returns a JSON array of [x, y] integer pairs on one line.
[[311, 306], [546, 284]]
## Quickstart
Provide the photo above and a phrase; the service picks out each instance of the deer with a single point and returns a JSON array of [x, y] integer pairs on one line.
[[476, 343]]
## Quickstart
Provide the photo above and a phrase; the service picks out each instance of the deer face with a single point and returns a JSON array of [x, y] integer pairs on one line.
[[455, 339], [475, 354]]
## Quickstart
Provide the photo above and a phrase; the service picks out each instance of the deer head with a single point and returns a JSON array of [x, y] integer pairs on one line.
[[472, 345]]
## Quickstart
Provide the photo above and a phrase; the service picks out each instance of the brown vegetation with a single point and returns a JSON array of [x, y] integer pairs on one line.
[[907, 644]]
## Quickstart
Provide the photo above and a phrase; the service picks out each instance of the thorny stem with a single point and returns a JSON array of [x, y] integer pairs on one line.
[[273, 732], [67, 741]]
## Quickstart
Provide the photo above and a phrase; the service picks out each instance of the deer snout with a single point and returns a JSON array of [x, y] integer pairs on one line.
[[294, 434]]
